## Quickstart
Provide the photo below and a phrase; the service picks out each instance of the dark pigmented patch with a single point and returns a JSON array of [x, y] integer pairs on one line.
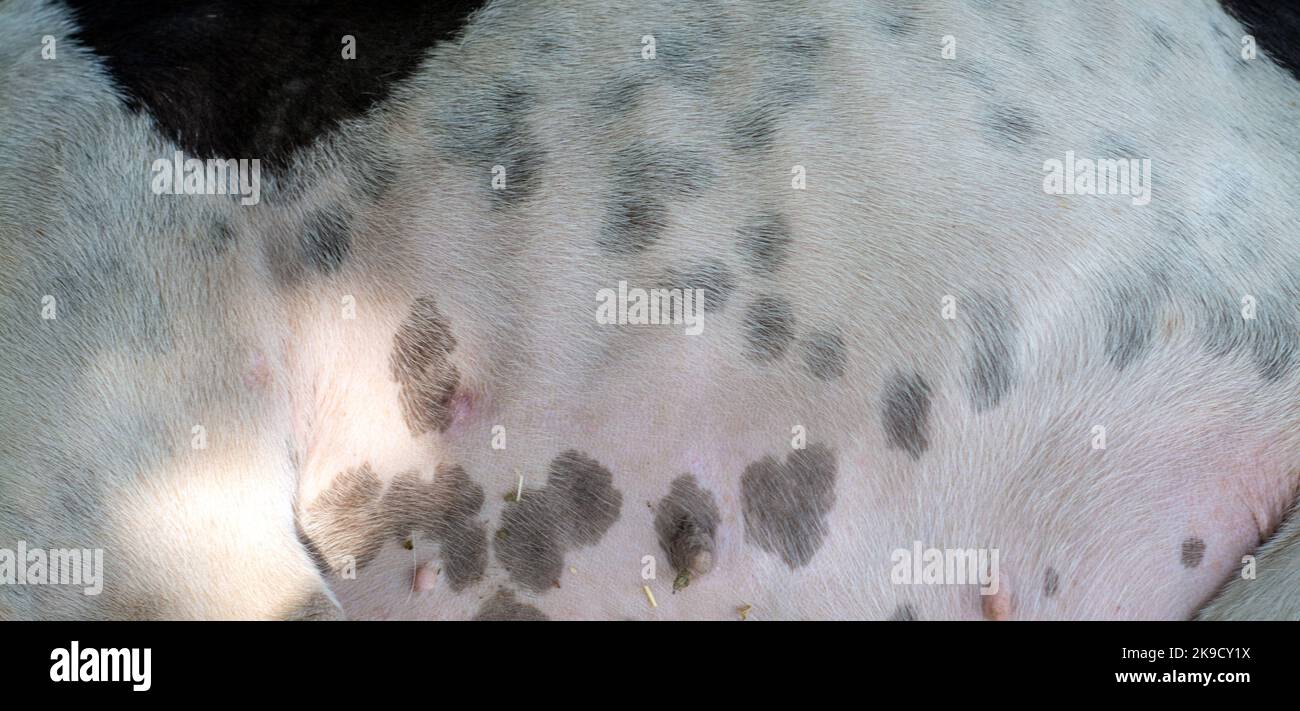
[[906, 413], [489, 128], [1051, 583], [343, 523], [618, 97], [765, 243], [903, 613], [1193, 550], [825, 355], [711, 275], [1012, 125], [326, 238], [288, 85], [647, 176], [753, 127], [992, 364], [1272, 338], [422, 367], [686, 522], [1134, 305], [586, 495], [530, 541], [576, 507], [505, 607], [899, 23], [445, 509], [1275, 27], [786, 503], [770, 328], [313, 607]]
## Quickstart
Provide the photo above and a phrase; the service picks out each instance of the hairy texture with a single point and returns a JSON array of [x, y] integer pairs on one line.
[[1104, 389], [686, 522], [421, 365], [786, 503], [576, 507]]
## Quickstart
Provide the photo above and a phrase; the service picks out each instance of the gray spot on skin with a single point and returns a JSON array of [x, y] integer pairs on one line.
[[691, 53], [754, 127], [825, 355], [1015, 126], [807, 47], [785, 504], [576, 507], [314, 607], [586, 495], [1132, 314], [903, 613], [646, 176], [445, 509], [1051, 583], [765, 242], [421, 366], [505, 607], [899, 23], [906, 406], [992, 363], [494, 131], [1193, 550], [326, 238], [617, 98], [770, 328], [530, 541], [1272, 338], [344, 520], [711, 275], [686, 522]]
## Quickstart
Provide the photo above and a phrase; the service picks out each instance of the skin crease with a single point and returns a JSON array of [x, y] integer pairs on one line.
[[912, 343]]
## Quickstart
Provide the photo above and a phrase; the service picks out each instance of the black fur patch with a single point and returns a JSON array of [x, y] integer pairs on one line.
[[786, 503], [232, 79], [1275, 26]]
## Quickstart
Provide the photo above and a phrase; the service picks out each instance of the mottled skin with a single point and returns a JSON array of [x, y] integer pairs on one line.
[[905, 338]]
